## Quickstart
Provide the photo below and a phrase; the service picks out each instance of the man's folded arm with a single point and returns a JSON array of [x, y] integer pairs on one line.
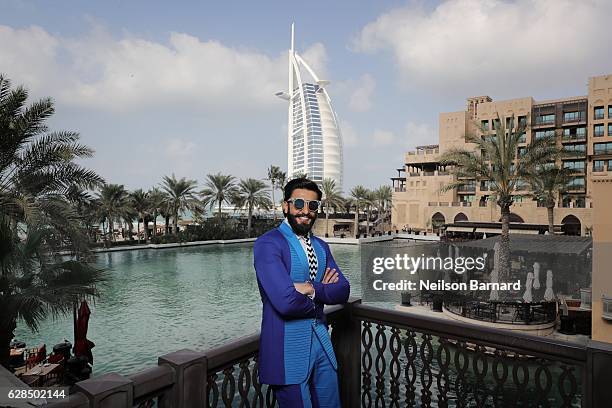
[[332, 293], [277, 284]]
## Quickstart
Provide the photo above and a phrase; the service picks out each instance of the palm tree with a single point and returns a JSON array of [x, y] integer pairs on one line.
[[299, 174], [275, 175], [332, 197], [368, 203], [140, 203], [114, 203], [359, 195], [347, 204], [219, 189], [546, 182], [282, 181], [383, 197], [495, 159], [87, 207], [158, 202], [38, 170], [252, 193], [182, 196]]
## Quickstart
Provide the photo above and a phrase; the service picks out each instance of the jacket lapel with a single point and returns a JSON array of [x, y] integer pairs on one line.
[[321, 258], [299, 272]]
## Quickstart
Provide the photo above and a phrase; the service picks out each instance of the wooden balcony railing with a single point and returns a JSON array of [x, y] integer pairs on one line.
[[385, 358]]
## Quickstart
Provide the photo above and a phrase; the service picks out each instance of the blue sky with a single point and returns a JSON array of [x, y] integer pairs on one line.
[[187, 87]]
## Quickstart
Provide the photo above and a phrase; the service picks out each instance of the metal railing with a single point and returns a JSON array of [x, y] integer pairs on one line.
[[572, 137], [466, 188], [504, 312], [385, 358], [423, 152]]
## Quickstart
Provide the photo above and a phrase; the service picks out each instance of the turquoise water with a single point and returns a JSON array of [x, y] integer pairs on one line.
[[159, 301]]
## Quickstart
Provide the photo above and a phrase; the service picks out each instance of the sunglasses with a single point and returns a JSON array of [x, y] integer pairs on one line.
[[299, 203]]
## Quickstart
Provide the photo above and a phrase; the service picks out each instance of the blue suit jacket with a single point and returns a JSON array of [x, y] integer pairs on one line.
[[288, 316]]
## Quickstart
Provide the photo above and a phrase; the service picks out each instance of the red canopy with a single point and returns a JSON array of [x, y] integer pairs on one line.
[[82, 346]]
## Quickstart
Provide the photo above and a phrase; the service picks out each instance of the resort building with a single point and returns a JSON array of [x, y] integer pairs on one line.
[[582, 124], [314, 138]]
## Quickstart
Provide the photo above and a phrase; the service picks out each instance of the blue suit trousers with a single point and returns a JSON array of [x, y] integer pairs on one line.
[[320, 388]]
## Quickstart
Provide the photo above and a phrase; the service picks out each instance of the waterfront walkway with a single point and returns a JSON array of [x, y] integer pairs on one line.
[[329, 240]]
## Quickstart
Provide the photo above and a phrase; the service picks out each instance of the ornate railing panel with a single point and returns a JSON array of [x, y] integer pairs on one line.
[[385, 358], [233, 378], [444, 363]]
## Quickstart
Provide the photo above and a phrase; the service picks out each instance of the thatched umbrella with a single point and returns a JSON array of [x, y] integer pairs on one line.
[[549, 295], [528, 296]]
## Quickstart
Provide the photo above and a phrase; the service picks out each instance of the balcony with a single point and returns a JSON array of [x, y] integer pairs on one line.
[[385, 358], [400, 189], [423, 156], [573, 138], [574, 119], [427, 173], [544, 123], [466, 189], [602, 152]]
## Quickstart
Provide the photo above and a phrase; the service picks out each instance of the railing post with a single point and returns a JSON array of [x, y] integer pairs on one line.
[[190, 379], [598, 374], [110, 390], [346, 338]]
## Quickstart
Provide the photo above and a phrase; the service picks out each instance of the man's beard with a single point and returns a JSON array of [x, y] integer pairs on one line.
[[301, 229]]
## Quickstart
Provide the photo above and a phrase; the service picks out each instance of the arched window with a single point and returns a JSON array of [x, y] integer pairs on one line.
[[437, 220], [461, 217], [570, 225], [514, 218]]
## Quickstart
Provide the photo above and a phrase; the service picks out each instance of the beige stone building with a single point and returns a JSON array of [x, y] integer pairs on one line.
[[582, 124], [602, 259]]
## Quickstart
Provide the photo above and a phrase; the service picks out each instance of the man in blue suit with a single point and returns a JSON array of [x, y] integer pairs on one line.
[[297, 276]]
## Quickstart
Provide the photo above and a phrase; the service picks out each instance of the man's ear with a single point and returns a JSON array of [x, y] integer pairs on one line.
[[285, 207]]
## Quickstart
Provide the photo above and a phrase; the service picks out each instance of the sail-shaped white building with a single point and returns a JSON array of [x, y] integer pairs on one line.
[[315, 141]]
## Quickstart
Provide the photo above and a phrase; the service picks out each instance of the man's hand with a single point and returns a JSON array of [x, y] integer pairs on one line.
[[305, 288], [331, 276]]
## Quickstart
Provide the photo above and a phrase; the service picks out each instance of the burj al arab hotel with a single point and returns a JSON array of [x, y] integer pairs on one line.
[[315, 142]]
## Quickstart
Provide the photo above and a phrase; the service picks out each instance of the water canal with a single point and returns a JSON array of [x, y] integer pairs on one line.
[[158, 301]]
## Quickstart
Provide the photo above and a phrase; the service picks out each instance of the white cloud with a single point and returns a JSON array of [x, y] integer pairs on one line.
[[28, 56], [361, 98], [383, 137], [468, 45], [316, 57], [349, 136], [418, 134], [414, 134], [131, 73]]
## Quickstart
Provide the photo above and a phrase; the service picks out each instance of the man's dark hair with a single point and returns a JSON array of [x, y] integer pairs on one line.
[[303, 183]]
